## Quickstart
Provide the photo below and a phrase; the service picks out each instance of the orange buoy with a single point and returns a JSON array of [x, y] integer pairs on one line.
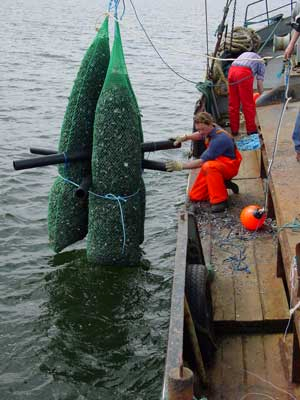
[[252, 217]]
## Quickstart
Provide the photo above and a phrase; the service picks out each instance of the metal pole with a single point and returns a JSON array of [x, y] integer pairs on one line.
[[267, 11]]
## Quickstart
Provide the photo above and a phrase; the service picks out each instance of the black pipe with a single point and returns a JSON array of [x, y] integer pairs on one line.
[[49, 160], [60, 158], [146, 147], [82, 191], [153, 165], [159, 145], [40, 151]]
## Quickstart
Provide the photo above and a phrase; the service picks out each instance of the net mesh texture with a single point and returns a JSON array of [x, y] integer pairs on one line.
[[68, 215], [116, 226]]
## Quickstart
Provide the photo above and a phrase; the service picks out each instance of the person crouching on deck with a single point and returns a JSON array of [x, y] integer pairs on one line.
[[219, 162]]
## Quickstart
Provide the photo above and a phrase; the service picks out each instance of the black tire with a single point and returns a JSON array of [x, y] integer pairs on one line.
[[197, 290]]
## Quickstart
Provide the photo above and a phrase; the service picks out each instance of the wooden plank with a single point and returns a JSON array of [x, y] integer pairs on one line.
[[231, 290], [233, 368], [254, 361], [215, 376], [191, 178], [272, 293], [253, 367], [222, 290], [247, 296], [267, 359], [278, 354], [249, 167], [285, 181], [174, 356]]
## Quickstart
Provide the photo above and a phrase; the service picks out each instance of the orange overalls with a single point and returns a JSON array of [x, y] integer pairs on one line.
[[241, 92], [210, 182]]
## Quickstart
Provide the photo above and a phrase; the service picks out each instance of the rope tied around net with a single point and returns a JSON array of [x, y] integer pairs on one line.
[[115, 4], [111, 197]]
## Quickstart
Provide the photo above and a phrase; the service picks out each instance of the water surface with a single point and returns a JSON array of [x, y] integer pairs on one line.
[[69, 330]]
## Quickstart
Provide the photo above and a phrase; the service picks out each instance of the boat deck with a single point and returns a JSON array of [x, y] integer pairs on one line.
[[250, 304], [285, 198], [244, 262], [254, 367]]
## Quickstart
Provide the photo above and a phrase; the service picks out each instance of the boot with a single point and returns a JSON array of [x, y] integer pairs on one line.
[[231, 185], [219, 207]]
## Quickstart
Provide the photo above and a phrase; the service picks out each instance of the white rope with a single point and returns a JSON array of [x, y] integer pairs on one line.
[[287, 99], [271, 384], [293, 276], [269, 396]]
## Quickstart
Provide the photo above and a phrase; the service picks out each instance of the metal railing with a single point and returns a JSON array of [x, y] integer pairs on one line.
[[267, 13]]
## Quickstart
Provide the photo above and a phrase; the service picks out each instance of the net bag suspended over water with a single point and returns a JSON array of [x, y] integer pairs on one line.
[[68, 215], [116, 206]]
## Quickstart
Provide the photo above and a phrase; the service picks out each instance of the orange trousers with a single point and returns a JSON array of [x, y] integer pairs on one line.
[[241, 92], [210, 182]]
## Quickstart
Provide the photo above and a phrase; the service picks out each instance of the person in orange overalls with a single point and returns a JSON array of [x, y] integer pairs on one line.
[[241, 78], [219, 162]]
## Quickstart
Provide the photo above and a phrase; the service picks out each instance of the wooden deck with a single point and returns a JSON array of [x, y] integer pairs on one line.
[[249, 297], [250, 302], [285, 194], [252, 367]]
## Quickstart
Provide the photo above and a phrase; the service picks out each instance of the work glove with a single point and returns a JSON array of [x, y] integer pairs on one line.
[[173, 165], [180, 139]]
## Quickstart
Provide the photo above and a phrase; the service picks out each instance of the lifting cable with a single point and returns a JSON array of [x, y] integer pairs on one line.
[[287, 66], [233, 22], [150, 41], [207, 38], [220, 31]]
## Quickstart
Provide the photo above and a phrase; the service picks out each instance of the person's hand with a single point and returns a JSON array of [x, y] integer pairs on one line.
[[173, 165], [288, 52], [180, 139]]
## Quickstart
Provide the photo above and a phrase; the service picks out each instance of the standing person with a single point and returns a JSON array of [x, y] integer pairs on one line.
[[287, 55], [219, 162], [296, 31], [241, 78]]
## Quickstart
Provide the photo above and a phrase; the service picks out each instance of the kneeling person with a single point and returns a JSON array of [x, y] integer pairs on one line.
[[218, 163]]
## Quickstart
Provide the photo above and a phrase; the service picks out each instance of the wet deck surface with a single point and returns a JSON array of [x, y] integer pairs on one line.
[[250, 305]]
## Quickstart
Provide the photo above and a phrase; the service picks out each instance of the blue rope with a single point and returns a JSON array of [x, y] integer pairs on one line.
[[111, 197], [294, 225], [110, 6], [251, 142], [116, 4]]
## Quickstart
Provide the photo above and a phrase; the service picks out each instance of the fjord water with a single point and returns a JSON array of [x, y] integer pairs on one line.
[[69, 330]]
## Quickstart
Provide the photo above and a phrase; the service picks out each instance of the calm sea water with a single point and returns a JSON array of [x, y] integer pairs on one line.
[[69, 330]]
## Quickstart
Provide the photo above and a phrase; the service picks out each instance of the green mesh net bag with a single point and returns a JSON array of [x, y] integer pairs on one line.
[[67, 215], [117, 201]]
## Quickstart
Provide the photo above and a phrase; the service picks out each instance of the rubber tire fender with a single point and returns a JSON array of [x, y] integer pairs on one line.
[[198, 295]]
